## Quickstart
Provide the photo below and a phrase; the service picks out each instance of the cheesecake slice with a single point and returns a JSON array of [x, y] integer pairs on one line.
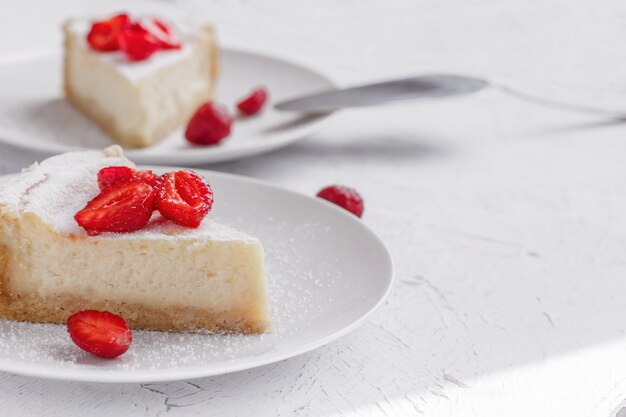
[[163, 277], [138, 103]]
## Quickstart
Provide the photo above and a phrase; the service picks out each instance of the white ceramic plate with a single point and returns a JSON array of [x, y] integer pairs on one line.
[[35, 116], [326, 273]]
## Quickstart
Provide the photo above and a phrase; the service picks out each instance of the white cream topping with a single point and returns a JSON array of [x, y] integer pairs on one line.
[[134, 71], [57, 188]]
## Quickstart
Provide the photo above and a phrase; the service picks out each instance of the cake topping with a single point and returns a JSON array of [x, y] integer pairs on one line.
[[100, 333], [124, 207], [109, 176], [128, 197], [184, 197], [344, 197], [103, 35], [166, 36], [137, 43], [148, 177], [209, 125], [56, 189], [113, 175], [253, 103], [138, 40]]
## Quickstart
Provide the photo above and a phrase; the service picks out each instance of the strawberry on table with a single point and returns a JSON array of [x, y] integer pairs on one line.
[[344, 197]]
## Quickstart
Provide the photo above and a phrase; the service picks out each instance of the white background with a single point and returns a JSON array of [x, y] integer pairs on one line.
[[506, 221]]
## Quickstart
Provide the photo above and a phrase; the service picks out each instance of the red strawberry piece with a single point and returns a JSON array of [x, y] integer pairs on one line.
[[112, 175], [344, 197], [254, 102], [115, 174], [209, 125], [148, 177], [165, 34], [184, 197], [137, 43], [123, 207], [100, 333], [103, 35]]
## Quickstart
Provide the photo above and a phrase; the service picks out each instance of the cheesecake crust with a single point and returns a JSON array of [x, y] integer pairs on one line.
[[36, 309]]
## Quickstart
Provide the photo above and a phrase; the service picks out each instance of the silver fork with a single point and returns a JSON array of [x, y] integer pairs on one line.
[[419, 87]]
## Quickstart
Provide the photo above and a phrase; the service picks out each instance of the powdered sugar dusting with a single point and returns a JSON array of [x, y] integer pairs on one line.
[[57, 188], [161, 228], [60, 186]]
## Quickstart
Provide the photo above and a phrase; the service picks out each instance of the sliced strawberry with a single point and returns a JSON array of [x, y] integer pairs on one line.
[[137, 43], [103, 35], [115, 174], [184, 197], [148, 177], [253, 103], [123, 207], [209, 125], [165, 34], [100, 333]]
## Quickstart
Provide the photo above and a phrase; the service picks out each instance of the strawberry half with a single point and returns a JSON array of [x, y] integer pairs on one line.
[[209, 125], [184, 197], [148, 177], [137, 43], [254, 102], [100, 333], [123, 207], [115, 174], [103, 35], [162, 31]]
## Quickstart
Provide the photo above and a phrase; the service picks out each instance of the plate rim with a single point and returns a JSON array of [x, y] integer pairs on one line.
[[30, 369], [192, 156]]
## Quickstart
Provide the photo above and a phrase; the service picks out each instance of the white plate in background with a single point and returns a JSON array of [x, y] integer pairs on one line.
[[35, 116]]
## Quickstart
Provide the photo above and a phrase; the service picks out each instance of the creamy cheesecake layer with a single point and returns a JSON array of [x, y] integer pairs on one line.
[[164, 284], [164, 277], [139, 103]]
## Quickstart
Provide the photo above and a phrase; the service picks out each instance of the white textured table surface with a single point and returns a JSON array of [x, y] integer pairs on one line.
[[506, 221]]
